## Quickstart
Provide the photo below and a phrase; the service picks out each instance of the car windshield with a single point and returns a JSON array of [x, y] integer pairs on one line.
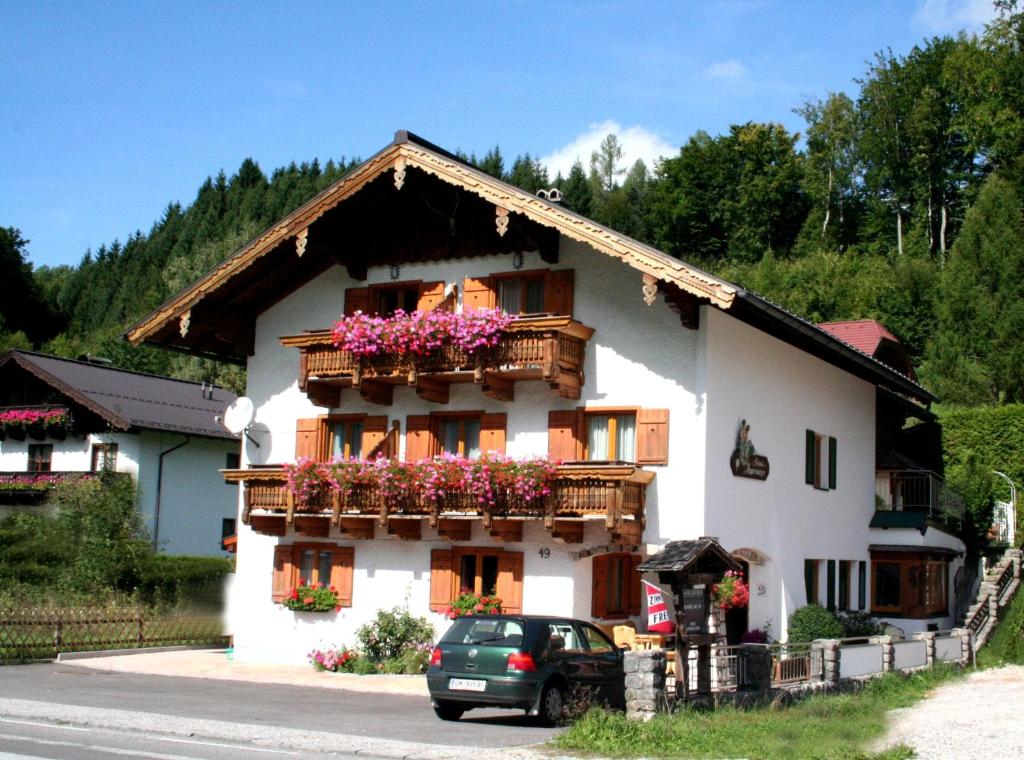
[[486, 631]]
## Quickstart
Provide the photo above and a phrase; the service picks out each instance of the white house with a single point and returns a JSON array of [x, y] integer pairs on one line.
[[91, 416], [679, 405]]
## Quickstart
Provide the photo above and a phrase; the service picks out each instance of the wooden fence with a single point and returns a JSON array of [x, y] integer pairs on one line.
[[42, 634]]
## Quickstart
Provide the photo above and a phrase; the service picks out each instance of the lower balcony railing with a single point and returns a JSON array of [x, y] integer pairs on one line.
[[918, 491], [612, 492], [29, 485]]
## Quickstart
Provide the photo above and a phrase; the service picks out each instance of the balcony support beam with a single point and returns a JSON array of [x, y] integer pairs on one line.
[[429, 388], [454, 530], [497, 387], [356, 527], [405, 530], [567, 531], [507, 530], [376, 392]]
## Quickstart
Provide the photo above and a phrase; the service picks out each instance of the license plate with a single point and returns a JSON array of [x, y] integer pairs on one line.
[[466, 684]]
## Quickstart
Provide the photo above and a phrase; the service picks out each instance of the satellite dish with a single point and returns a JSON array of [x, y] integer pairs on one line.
[[239, 415]]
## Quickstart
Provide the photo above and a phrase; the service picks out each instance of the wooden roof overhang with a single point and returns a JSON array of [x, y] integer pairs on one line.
[[410, 202]]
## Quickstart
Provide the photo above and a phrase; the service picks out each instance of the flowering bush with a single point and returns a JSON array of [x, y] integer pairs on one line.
[[468, 603], [732, 592], [393, 632], [334, 660], [308, 598], [17, 418], [419, 333], [39, 481]]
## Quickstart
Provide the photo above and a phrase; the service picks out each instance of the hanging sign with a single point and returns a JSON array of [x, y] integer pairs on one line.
[[658, 620], [744, 462]]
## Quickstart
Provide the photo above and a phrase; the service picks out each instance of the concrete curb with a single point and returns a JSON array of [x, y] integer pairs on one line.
[[71, 656]]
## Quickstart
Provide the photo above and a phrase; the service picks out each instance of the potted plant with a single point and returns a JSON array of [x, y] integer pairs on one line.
[[468, 603], [310, 598], [731, 592]]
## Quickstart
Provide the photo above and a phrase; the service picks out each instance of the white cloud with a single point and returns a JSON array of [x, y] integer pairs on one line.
[[952, 16], [637, 143], [731, 69]]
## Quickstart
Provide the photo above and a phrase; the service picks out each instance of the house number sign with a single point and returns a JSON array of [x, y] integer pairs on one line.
[[744, 462]]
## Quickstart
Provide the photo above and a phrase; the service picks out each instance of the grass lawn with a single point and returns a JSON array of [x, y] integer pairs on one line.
[[1007, 643]]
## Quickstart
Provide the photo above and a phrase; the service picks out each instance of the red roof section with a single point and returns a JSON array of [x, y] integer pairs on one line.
[[862, 334]]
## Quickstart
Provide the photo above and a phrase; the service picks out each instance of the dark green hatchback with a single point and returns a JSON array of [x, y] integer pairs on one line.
[[522, 662]]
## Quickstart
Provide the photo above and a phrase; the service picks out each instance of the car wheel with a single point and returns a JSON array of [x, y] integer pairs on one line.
[[449, 710], [552, 704]]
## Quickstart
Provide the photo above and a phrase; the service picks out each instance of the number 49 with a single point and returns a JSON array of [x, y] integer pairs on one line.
[[544, 553]]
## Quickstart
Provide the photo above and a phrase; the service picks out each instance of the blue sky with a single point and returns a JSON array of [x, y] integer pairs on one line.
[[112, 109]]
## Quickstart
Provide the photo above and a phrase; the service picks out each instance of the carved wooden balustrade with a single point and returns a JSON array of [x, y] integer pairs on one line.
[[612, 492], [546, 348]]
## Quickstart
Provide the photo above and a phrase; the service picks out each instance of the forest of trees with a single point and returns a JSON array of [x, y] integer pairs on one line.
[[902, 204]]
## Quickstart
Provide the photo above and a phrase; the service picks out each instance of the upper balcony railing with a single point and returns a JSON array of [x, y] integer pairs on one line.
[[918, 491], [614, 492], [547, 348]]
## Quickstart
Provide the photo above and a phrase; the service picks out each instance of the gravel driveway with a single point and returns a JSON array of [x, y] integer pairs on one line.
[[981, 716]]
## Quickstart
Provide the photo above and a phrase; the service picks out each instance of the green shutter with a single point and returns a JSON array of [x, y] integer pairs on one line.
[[830, 592], [844, 585], [810, 565], [831, 462], [810, 466], [862, 585]]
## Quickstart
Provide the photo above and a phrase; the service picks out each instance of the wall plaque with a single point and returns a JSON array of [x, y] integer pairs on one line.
[[744, 462]]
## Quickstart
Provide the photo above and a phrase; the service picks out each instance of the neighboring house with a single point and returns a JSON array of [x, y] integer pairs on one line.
[[162, 431], [679, 405]]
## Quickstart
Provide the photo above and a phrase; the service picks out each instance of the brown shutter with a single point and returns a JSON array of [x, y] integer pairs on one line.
[[283, 572], [431, 296], [357, 299], [375, 428], [633, 579], [418, 440], [307, 438], [492, 432], [510, 582], [652, 436], [563, 443], [343, 560], [478, 294], [598, 594], [440, 579], [558, 288]]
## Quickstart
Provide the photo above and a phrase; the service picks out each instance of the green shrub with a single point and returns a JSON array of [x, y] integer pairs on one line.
[[392, 632], [814, 622], [184, 581], [859, 624], [363, 666]]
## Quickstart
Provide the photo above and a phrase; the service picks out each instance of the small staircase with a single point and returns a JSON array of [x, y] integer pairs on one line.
[[998, 587]]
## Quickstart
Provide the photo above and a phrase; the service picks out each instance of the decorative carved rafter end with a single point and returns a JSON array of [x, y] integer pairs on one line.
[[501, 220], [184, 322], [300, 241], [399, 173]]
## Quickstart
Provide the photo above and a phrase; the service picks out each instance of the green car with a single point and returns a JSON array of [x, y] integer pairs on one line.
[[523, 662]]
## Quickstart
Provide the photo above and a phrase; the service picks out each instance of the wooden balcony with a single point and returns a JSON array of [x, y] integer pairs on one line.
[[546, 348], [611, 492]]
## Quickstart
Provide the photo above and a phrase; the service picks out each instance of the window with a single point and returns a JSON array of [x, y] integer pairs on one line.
[[520, 293], [615, 591], [611, 437], [104, 456], [227, 530], [598, 642], [811, 580], [820, 459], [912, 584], [39, 457], [344, 438], [481, 570], [467, 434], [459, 435], [328, 564], [233, 460], [385, 300]]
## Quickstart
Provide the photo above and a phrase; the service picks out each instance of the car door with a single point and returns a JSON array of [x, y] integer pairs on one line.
[[609, 677], [568, 653]]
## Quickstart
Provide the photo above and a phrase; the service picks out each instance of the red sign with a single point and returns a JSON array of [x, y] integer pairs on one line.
[[658, 620]]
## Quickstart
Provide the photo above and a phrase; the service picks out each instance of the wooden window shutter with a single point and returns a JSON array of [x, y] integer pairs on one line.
[[563, 443], [652, 436], [440, 579], [862, 585], [844, 584], [357, 299], [510, 582], [431, 296], [810, 463], [283, 572], [830, 577], [492, 432], [343, 561], [633, 578], [478, 294], [419, 443], [599, 586], [558, 292], [307, 438], [810, 570], [375, 428], [832, 444]]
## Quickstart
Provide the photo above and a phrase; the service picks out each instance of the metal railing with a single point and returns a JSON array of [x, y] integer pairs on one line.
[[918, 491]]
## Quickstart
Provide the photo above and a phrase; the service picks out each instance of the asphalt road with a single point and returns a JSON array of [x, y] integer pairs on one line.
[[224, 712]]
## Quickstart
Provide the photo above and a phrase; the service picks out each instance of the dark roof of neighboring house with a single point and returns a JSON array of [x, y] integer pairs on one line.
[[131, 399]]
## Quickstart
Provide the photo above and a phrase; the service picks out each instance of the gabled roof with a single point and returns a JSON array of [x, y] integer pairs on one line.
[[223, 303], [863, 334], [129, 400]]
